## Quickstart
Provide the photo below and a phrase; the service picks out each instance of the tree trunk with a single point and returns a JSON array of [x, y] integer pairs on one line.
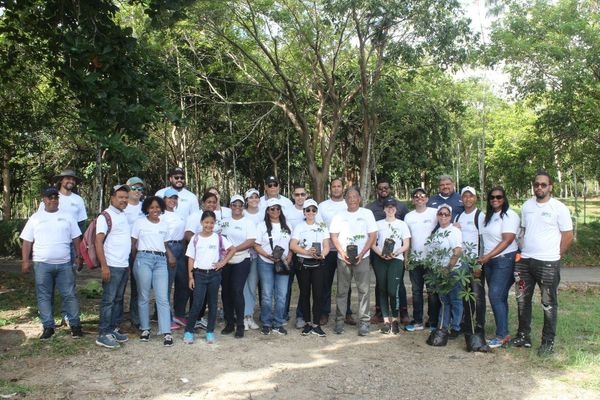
[[6, 189]]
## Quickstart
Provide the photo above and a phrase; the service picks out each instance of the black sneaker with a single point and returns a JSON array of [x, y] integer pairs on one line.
[[168, 342], [280, 330], [453, 334], [521, 340], [318, 331], [307, 329], [145, 335], [47, 334], [266, 330], [546, 349], [239, 332], [386, 328], [229, 328], [395, 327], [76, 332]]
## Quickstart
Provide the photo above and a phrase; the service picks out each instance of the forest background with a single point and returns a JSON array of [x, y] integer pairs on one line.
[[307, 90]]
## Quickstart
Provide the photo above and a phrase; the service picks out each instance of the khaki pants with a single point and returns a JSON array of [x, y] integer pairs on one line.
[[360, 272]]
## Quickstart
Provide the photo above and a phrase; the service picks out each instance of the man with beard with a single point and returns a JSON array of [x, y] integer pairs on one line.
[[69, 201], [188, 201], [447, 195]]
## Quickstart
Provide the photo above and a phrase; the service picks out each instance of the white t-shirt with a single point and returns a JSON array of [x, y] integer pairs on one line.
[[133, 212], [543, 223], [396, 230], [72, 204], [354, 228], [194, 225], [51, 235], [279, 237], [150, 236], [117, 245], [448, 243], [187, 203], [294, 217], [492, 233], [307, 234], [205, 250], [255, 218], [469, 231], [175, 224], [420, 224], [286, 204], [329, 208], [238, 231]]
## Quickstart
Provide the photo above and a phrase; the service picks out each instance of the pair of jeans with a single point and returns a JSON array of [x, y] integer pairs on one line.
[[47, 277], [451, 308], [181, 291], [111, 306], [150, 271], [546, 274], [361, 274], [499, 274], [417, 280], [250, 288], [475, 308], [134, 313], [310, 280], [330, 265], [206, 286], [233, 279], [273, 290], [388, 274]]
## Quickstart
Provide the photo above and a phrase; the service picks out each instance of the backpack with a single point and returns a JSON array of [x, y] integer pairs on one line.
[[87, 246], [222, 249]]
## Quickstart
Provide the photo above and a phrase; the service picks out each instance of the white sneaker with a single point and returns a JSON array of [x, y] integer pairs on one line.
[[246, 324], [251, 324], [202, 323]]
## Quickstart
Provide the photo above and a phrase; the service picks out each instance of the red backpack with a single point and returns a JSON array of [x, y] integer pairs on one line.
[[87, 247]]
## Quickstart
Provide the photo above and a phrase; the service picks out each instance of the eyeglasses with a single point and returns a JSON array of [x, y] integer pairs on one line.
[[273, 184], [498, 197], [310, 209], [178, 178], [383, 188], [138, 188], [300, 194], [419, 196], [543, 185], [275, 208], [443, 214], [237, 204]]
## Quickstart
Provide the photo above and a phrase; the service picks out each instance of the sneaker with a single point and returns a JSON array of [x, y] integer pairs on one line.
[[202, 323], [339, 327], [210, 337], [280, 330], [300, 323], [413, 327], [168, 342], [546, 349], [188, 337], [364, 329], [251, 324], [307, 329], [266, 330], [521, 340], [47, 333], [318, 331], [107, 341], [145, 335], [119, 337], [395, 327], [174, 326], [76, 332], [229, 328], [386, 328], [239, 332], [497, 342], [181, 321], [453, 334]]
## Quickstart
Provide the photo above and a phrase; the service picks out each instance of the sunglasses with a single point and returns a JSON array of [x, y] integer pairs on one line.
[[275, 208], [300, 194], [443, 214], [419, 196], [138, 188], [543, 185], [178, 178], [272, 184], [310, 210], [498, 197]]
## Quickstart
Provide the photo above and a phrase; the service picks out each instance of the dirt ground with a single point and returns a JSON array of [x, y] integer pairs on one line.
[[279, 367]]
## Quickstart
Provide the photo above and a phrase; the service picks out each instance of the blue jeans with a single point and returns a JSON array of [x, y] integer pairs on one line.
[[273, 287], [250, 289], [47, 276], [499, 274], [288, 299], [451, 309], [417, 280], [111, 306], [206, 285], [150, 272], [181, 291], [134, 313]]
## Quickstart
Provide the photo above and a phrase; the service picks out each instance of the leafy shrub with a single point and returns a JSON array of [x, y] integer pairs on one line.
[[10, 244]]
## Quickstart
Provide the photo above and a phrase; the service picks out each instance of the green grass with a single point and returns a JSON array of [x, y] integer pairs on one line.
[[7, 388]]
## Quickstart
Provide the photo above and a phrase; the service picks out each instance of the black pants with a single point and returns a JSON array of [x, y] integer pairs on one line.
[[310, 280], [330, 265], [417, 280], [475, 308], [233, 279]]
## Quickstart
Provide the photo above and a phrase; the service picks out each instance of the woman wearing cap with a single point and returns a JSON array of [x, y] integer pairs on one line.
[[388, 264], [251, 212], [310, 242], [270, 234], [241, 232], [149, 249], [500, 227]]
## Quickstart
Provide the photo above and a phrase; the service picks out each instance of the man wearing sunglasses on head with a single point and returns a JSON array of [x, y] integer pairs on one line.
[[272, 189], [188, 201]]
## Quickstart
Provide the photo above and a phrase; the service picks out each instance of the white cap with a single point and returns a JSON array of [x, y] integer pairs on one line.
[[273, 202], [308, 203], [468, 189], [250, 192], [445, 206], [236, 197]]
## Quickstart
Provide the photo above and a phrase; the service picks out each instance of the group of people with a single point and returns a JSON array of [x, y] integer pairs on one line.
[[185, 251]]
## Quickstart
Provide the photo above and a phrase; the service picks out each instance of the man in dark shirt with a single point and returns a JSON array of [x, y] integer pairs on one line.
[[447, 195]]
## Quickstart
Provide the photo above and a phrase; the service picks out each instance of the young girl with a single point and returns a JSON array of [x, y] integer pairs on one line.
[[205, 262]]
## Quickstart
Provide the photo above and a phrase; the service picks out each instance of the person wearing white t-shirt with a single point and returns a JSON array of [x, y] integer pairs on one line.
[[253, 213], [69, 201], [421, 221], [353, 229], [548, 233], [188, 201], [50, 234], [113, 248], [500, 227]]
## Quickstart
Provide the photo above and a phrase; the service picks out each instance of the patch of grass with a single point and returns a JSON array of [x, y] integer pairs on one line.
[[8, 388], [585, 251]]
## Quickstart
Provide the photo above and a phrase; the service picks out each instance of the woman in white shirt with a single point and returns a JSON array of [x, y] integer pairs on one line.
[[252, 212]]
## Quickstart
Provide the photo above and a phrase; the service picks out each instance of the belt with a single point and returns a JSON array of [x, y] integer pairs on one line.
[[206, 271], [310, 262], [174, 241], [156, 253]]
